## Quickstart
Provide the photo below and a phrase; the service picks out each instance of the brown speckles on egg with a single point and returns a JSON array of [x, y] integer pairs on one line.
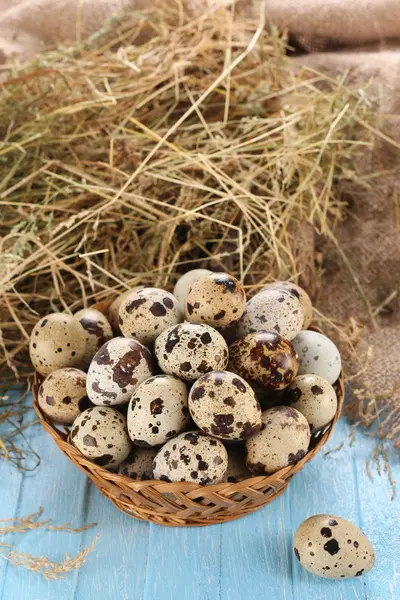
[[332, 556], [264, 358], [61, 394], [189, 350], [148, 312], [217, 299], [299, 293], [97, 331], [116, 370], [225, 405], [315, 398], [156, 412], [192, 456]]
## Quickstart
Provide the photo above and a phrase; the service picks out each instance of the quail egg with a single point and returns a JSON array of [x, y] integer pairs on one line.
[[57, 340], [224, 405], [315, 398], [301, 294], [189, 350], [97, 331], [192, 456], [185, 282], [139, 464], [333, 548], [113, 311], [62, 395], [158, 410], [318, 355], [116, 370], [275, 310], [100, 434], [283, 441], [146, 313], [217, 299], [264, 358], [237, 469]]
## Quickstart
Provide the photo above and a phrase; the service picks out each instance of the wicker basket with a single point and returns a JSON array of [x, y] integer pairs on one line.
[[184, 504]]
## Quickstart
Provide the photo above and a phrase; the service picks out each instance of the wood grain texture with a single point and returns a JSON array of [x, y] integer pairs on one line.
[[248, 558]]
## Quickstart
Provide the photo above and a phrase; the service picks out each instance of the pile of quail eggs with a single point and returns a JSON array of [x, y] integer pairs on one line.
[[198, 385]]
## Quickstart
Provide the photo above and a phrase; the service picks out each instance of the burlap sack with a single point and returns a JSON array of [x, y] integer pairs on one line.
[[361, 281]]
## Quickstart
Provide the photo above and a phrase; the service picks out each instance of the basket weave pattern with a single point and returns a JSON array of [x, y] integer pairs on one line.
[[183, 503]]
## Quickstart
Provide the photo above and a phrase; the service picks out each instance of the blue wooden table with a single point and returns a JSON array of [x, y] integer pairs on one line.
[[251, 558]]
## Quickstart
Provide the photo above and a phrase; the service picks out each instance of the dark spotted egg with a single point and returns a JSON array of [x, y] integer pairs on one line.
[[282, 441], [100, 434], [301, 294], [114, 306], [192, 456], [315, 398], [158, 410], [97, 331], [264, 358], [275, 310], [217, 299], [317, 354], [145, 314], [62, 395], [139, 464], [116, 370], [333, 548], [189, 350], [224, 405], [185, 282], [57, 340]]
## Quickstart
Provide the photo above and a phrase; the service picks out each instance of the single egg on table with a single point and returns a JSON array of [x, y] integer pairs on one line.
[[146, 313], [317, 354], [57, 340], [158, 410], [192, 456], [139, 464], [283, 441], [333, 548], [114, 306], [97, 331], [217, 299], [62, 395], [185, 282], [315, 398], [300, 293], [275, 310], [264, 358], [116, 370], [189, 350], [224, 405], [101, 435]]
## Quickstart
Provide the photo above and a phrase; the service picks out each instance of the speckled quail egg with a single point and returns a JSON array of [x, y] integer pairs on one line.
[[264, 358], [57, 340], [113, 310], [237, 469], [158, 410], [100, 434], [301, 294], [146, 313], [185, 282], [282, 441], [317, 354], [333, 548], [217, 299], [116, 370], [189, 350], [224, 405], [315, 398], [139, 464], [97, 331], [192, 456], [62, 395], [272, 310]]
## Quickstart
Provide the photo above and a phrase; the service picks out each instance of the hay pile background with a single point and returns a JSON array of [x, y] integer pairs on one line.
[[166, 144]]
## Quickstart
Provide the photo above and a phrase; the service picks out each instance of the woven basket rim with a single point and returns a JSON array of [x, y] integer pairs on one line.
[[107, 478]]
